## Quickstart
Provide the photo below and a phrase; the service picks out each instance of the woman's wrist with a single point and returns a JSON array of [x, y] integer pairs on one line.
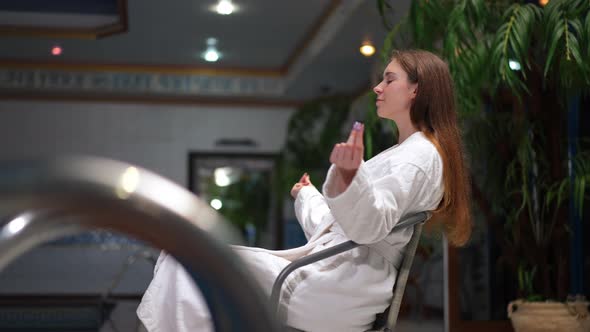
[[346, 176]]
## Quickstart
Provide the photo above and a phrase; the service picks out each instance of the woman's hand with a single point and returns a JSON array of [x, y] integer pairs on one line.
[[304, 181], [348, 156]]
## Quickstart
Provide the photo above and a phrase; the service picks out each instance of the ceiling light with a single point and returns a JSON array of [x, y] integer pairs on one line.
[[224, 7], [216, 204], [543, 2], [514, 65], [367, 49], [56, 51], [211, 54]]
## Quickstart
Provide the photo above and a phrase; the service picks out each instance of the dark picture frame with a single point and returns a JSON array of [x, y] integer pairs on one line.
[[258, 169]]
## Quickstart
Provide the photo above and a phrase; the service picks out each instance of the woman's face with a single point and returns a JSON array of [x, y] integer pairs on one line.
[[394, 93]]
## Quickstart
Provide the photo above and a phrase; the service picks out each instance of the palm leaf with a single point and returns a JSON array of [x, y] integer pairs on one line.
[[576, 55], [553, 30], [417, 19], [470, 72], [512, 41], [579, 194], [566, 38], [383, 7], [576, 8], [582, 176], [586, 31], [389, 44], [553, 41], [435, 12], [479, 12], [423, 16], [578, 38]]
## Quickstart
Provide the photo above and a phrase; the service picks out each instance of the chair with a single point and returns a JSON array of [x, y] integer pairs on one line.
[[385, 321]]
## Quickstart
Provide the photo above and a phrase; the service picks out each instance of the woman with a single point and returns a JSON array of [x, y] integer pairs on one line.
[[361, 201]]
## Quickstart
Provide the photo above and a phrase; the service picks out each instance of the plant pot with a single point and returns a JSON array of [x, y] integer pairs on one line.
[[549, 316]]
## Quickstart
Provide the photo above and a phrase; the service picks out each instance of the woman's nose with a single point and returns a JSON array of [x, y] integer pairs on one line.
[[377, 89]]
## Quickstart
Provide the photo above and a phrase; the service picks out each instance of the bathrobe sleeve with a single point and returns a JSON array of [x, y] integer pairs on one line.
[[310, 209], [369, 208]]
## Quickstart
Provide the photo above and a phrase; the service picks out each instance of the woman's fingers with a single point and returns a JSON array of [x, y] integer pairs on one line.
[[303, 177], [358, 137], [333, 154], [295, 190], [352, 136], [346, 156], [346, 152], [354, 132], [336, 152], [349, 156], [357, 156], [307, 181]]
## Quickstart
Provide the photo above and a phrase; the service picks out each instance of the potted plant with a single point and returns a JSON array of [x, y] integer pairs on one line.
[[521, 74]]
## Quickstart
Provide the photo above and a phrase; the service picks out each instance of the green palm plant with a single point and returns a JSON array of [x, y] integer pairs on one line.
[[314, 129], [519, 69], [311, 134]]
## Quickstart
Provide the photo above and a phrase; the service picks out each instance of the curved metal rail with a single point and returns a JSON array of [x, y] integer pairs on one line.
[[44, 200]]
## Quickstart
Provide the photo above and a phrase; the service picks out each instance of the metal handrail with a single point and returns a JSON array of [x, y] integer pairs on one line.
[[50, 199]]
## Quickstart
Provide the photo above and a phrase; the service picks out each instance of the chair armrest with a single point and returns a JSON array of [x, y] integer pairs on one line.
[[315, 257], [411, 220]]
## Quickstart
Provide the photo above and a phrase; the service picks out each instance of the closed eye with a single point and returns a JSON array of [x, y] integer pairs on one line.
[[389, 77]]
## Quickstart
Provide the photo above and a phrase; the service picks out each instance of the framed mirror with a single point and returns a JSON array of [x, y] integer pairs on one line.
[[240, 187]]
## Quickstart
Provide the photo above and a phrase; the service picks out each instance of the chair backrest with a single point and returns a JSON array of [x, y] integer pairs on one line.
[[400, 283]]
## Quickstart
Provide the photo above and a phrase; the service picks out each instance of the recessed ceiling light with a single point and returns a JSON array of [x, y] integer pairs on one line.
[[224, 7], [56, 51], [367, 49], [211, 54]]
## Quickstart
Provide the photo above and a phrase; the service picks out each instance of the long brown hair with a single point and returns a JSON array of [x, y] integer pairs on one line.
[[434, 113]]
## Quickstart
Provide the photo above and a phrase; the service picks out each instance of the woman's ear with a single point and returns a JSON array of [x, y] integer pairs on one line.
[[414, 90]]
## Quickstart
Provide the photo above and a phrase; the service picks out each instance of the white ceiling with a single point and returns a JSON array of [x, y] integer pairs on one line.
[[311, 45]]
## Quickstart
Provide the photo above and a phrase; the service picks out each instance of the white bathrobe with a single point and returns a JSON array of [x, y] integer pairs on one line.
[[342, 293]]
